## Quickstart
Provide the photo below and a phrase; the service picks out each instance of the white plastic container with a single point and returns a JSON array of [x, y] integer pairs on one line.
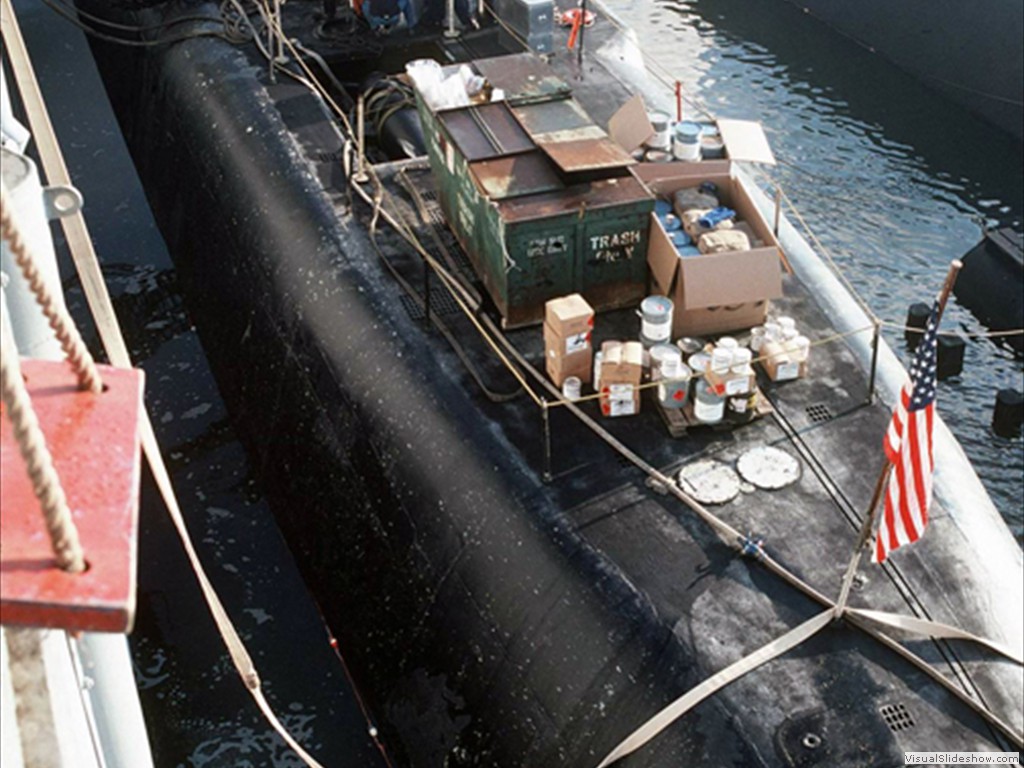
[[662, 124], [708, 403], [572, 388], [721, 360], [674, 385], [660, 353], [655, 320], [686, 141]]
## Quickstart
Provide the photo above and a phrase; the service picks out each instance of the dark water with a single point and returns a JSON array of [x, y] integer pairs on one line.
[[197, 710], [893, 179]]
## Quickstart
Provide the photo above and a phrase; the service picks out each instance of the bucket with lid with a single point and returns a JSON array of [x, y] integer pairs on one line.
[[686, 141], [659, 354], [655, 320], [674, 384], [662, 125]]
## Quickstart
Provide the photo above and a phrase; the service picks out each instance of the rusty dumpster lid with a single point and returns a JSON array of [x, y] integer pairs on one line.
[[524, 174], [484, 131], [548, 117], [523, 77], [588, 152]]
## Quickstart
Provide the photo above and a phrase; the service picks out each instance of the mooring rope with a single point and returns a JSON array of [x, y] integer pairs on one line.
[[60, 321]]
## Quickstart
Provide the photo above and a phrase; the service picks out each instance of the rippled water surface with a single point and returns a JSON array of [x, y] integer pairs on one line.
[[894, 180]]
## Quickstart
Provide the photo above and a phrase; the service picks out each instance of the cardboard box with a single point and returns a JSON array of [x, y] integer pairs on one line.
[[560, 368], [569, 316], [743, 140], [580, 366], [620, 400], [621, 371], [730, 383], [783, 368], [720, 292], [556, 345]]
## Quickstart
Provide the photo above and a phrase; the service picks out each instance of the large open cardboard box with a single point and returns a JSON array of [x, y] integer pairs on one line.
[[744, 140], [712, 293]]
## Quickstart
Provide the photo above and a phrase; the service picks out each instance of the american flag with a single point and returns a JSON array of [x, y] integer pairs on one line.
[[908, 445]]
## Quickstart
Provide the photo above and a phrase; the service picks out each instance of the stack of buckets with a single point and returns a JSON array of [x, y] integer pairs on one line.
[[685, 140]]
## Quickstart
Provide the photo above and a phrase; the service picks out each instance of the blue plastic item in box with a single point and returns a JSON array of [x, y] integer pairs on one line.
[[688, 250], [670, 222], [661, 207], [680, 239], [716, 216]]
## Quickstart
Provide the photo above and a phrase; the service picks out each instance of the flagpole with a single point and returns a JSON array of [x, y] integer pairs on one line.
[[869, 519]]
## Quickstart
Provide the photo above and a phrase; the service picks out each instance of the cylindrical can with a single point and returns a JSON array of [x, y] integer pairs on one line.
[[655, 320], [657, 156], [757, 335], [709, 403], [598, 359], [572, 388], [674, 385], [699, 363], [721, 359], [659, 354], [738, 404], [686, 141], [690, 345], [662, 125]]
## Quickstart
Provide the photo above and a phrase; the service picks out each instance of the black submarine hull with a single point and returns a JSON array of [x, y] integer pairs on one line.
[[480, 625]]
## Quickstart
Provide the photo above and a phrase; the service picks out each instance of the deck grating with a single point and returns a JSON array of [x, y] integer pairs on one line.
[[818, 413], [441, 304], [897, 717]]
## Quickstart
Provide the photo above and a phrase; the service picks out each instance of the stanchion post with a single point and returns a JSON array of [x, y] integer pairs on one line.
[[875, 342], [547, 476], [360, 175]]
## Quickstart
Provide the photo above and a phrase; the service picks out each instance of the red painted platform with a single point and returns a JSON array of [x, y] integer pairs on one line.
[[94, 441]]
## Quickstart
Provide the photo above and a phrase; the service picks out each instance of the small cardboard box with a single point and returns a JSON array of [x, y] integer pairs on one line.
[[784, 370], [731, 384], [621, 371], [561, 368], [719, 292], [556, 345], [569, 316]]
